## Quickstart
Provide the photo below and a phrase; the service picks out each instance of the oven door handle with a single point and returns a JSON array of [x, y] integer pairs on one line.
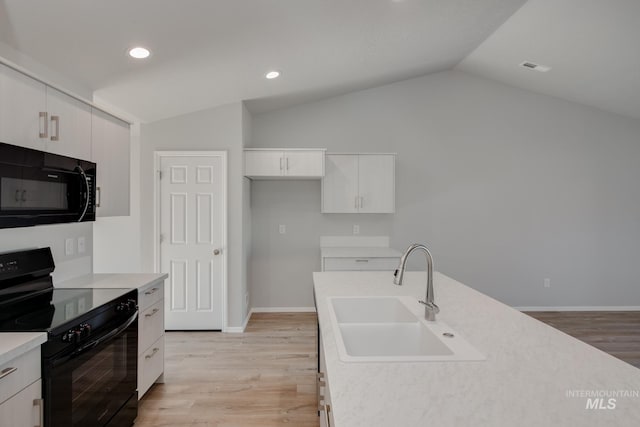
[[86, 183], [97, 342]]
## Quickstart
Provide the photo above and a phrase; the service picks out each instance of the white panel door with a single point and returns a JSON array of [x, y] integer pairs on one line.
[[192, 252], [376, 186], [340, 184]]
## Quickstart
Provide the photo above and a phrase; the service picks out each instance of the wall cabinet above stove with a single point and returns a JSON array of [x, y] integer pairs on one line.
[[275, 163]]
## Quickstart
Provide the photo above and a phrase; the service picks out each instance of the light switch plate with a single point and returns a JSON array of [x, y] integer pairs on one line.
[[282, 229], [69, 245]]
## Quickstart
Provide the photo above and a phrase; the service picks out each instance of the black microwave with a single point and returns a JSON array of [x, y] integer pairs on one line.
[[44, 188]]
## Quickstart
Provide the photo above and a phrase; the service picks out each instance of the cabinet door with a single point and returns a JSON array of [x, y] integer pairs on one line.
[[304, 163], [340, 184], [376, 183], [23, 409], [110, 147], [263, 163], [69, 125], [22, 99]]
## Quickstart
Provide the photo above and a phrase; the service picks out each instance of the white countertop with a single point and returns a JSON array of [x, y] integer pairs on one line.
[[529, 371], [14, 344], [359, 252], [111, 281]]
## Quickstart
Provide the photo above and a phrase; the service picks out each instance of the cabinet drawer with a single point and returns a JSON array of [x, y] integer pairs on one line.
[[360, 264], [19, 373], [151, 325], [24, 409], [150, 366], [151, 294]]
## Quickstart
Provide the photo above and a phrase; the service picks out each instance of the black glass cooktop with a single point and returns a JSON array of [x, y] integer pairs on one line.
[[52, 307]]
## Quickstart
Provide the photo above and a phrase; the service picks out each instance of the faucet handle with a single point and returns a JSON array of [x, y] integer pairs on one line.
[[431, 305]]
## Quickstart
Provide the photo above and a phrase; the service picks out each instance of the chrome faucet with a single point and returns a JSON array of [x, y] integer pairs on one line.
[[430, 309]]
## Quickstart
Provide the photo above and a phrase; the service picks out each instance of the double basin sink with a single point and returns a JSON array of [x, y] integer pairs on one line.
[[386, 329]]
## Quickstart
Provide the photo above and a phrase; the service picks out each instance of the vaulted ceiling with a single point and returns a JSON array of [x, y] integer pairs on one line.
[[212, 52]]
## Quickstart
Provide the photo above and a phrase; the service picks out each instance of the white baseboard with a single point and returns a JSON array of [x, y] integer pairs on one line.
[[283, 310], [583, 308], [240, 329]]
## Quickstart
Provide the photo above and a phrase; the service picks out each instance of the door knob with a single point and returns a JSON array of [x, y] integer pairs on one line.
[[216, 251]]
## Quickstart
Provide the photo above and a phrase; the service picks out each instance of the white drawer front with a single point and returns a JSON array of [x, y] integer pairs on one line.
[[150, 366], [150, 295], [21, 410], [151, 325], [360, 264], [19, 373]]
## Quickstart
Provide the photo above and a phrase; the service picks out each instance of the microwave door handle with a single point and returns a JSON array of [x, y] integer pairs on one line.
[[86, 183]]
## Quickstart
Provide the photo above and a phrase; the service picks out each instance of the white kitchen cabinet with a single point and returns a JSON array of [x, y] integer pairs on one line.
[[150, 336], [38, 116], [284, 163], [359, 183], [357, 253], [23, 103], [323, 390], [110, 150], [69, 125], [21, 391]]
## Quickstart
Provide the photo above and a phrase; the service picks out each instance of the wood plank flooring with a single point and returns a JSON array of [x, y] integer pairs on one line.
[[263, 377], [614, 332]]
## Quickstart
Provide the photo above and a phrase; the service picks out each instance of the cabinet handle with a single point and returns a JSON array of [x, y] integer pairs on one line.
[[40, 404], [17, 195], [287, 159], [362, 260], [154, 311], [24, 195], [7, 371], [98, 197], [151, 291], [56, 120], [281, 164], [44, 124], [153, 353], [361, 202]]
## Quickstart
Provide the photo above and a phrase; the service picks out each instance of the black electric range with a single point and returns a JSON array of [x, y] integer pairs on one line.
[[89, 361]]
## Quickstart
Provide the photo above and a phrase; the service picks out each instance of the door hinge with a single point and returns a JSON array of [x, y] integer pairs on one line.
[[161, 238], [159, 174]]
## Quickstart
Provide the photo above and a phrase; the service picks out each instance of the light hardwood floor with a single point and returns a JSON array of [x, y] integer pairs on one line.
[[263, 377], [614, 332]]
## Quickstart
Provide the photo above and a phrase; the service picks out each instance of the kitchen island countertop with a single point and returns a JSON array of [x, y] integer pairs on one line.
[[533, 375]]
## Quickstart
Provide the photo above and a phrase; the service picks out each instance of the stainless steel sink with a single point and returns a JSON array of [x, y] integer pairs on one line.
[[385, 329]]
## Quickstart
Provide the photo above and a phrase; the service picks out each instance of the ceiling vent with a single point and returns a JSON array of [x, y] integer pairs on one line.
[[533, 66]]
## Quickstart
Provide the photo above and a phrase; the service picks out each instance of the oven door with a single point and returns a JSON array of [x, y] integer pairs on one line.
[[96, 382], [36, 195]]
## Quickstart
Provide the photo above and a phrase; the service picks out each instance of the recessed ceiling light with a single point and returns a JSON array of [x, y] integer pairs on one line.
[[272, 74], [139, 53]]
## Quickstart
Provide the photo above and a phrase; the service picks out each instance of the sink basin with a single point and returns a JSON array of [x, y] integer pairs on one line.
[[390, 329]]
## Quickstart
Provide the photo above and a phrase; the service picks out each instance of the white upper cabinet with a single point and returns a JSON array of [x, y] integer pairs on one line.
[[285, 163], [69, 125], [110, 139], [23, 104], [359, 183]]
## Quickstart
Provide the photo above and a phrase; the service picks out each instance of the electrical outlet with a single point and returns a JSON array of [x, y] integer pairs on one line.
[[81, 245], [69, 246], [282, 229], [547, 283], [356, 229]]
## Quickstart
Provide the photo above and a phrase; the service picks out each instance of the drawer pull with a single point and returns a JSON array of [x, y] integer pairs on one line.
[[154, 311], [362, 260], [40, 404], [7, 371], [153, 353], [151, 291]]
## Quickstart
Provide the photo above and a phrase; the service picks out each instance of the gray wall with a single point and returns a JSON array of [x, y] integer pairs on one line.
[[214, 129], [506, 186], [54, 236]]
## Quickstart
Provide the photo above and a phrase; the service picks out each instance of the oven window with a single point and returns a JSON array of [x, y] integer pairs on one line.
[[29, 194], [89, 389]]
